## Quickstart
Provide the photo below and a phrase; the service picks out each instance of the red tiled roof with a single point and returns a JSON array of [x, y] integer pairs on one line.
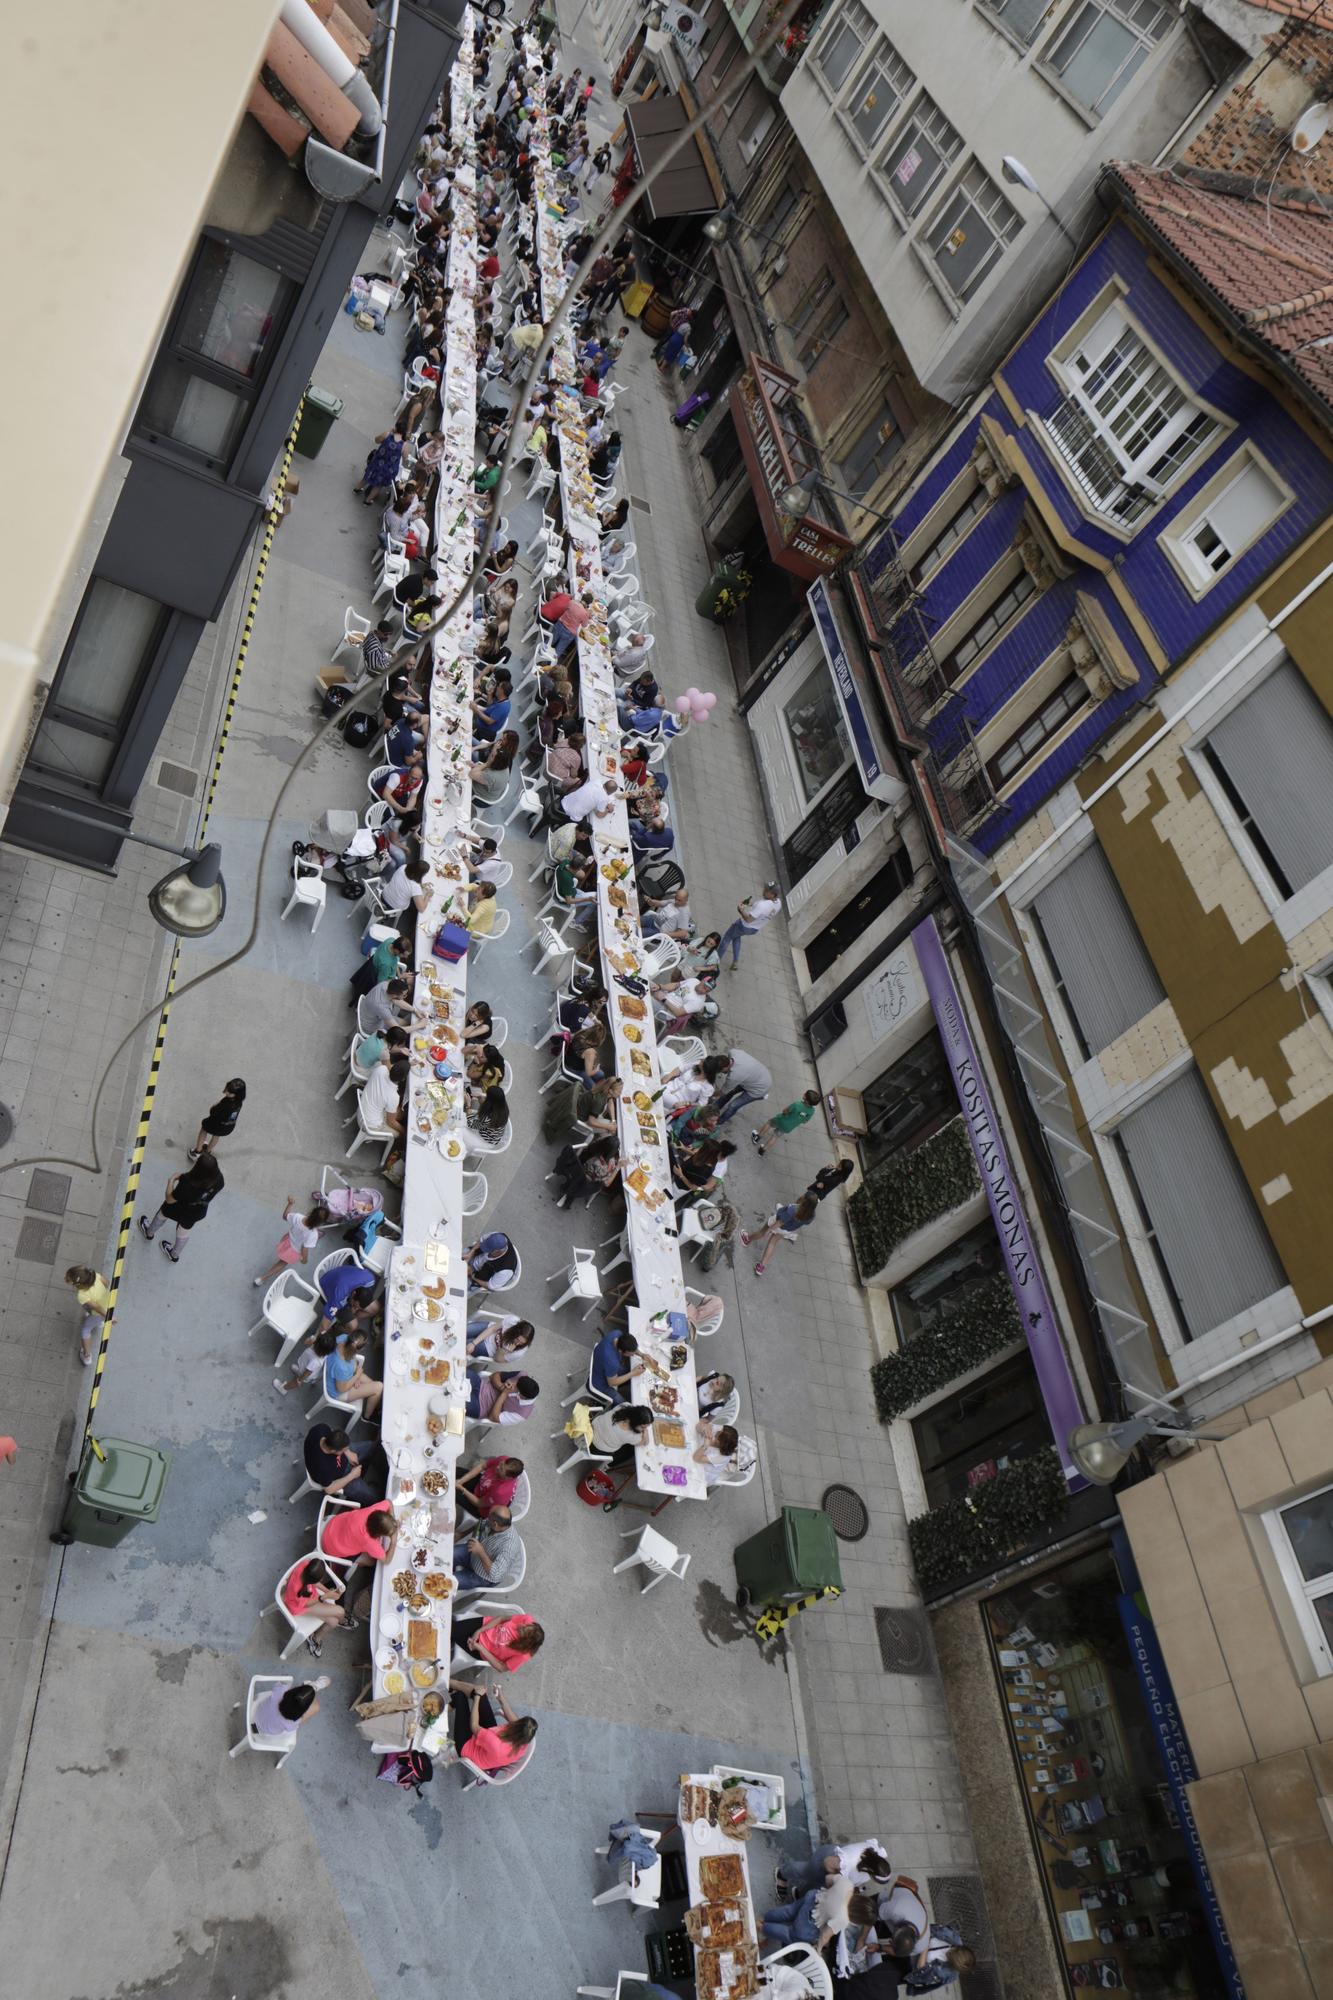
[[1267, 263]]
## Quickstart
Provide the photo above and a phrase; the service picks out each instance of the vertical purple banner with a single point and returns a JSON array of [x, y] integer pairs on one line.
[[1058, 1392]]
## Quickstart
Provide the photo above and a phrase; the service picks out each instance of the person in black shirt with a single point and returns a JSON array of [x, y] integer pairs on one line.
[[186, 1203], [333, 1465], [221, 1120], [829, 1178]]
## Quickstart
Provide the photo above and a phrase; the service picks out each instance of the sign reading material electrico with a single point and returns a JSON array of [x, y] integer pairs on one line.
[[1063, 1408], [874, 760]]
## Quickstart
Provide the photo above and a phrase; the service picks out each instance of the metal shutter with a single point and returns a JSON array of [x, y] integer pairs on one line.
[[1208, 1229], [1109, 980], [1277, 749]]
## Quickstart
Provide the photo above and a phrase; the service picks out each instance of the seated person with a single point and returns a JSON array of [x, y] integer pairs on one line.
[[476, 1735], [588, 1169], [345, 1378], [502, 1398], [669, 916], [613, 1366], [489, 1484], [480, 919], [485, 1068], [484, 863], [492, 1262], [477, 1022], [345, 1284], [313, 1590], [404, 887], [715, 1391], [618, 1433], [493, 1556], [497, 1339], [503, 1643], [716, 1451], [490, 716], [365, 1534], [490, 1118], [333, 1465], [500, 755], [402, 782], [702, 1171]]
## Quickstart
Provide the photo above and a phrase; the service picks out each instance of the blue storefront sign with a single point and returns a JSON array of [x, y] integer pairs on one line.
[[873, 758], [1178, 1762]]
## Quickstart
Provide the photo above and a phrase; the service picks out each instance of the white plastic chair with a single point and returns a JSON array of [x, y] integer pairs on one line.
[[499, 925], [704, 1328], [350, 1412], [301, 1623], [659, 956], [376, 1259], [504, 1776], [693, 1235], [355, 1073], [531, 802], [551, 943], [367, 1134], [805, 1960], [686, 1050], [580, 1279], [521, 1502], [619, 1991], [746, 1472], [279, 1746], [290, 1308], [355, 629], [479, 1148], [309, 889], [621, 1238], [332, 1503], [654, 1552], [475, 1192], [499, 1030], [640, 1886]]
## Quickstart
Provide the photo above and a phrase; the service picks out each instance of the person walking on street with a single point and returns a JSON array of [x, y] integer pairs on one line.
[[597, 166], [799, 1112], [751, 916], [94, 1297], [747, 1083], [186, 1203], [828, 1178], [221, 1119], [781, 1226]]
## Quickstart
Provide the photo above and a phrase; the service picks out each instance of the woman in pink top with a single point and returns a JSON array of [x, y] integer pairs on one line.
[[488, 1485], [361, 1534], [476, 1734], [312, 1590], [499, 1642]]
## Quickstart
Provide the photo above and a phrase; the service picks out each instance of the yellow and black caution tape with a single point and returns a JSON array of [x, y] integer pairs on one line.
[[776, 1617], [140, 1146]]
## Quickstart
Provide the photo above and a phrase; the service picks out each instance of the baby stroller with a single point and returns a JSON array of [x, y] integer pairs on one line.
[[346, 851], [345, 1203]]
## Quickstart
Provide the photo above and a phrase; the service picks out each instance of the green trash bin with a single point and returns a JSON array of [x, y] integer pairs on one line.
[[788, 1559], [320, 414], [113, 1492]]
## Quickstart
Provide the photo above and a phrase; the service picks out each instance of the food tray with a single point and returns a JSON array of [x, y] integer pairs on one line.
[[633, 1009], [423, 1641], [669, 1433], [721, 1876], [698, 1802]]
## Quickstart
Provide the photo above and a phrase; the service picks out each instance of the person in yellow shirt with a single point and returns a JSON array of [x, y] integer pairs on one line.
[[481, 919], [94, 1296]]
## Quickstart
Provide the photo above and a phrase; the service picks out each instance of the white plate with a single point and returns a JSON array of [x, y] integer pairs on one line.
[[391, 1625], [702, 1832], [386, 1658]]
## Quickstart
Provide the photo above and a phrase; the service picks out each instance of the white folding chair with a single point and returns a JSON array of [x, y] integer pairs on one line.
[[504, 1776], [309, 889], [367, 1134], [704, 1328], [280, 1746], [499, 1589], [654, 1552], [290, 1308], [640, 1886], [579, 1278], [355, 628]]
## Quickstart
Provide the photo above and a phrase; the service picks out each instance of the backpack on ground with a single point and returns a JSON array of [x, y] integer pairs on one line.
[[409, 1769]]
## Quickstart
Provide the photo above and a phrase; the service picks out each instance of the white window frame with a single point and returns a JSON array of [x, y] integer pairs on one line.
[[1078, 358], [845, 19], [1179, 541], [762, 124], [1143, 45], [1291, 914], [970, 181], [994, 12], [923, 112], [897, 75], [1073, 718], [1302, 1594]]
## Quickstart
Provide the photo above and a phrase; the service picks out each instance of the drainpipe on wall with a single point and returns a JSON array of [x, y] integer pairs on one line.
[[316, 40]]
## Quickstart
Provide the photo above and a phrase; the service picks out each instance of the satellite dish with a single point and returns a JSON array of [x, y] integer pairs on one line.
[[1310, 128]]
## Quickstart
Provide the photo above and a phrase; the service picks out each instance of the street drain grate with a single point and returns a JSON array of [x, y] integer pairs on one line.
[[177, 778], [904, 1643], [848, 1513], [49, 1192], [38, 1241], [642, 505], [960, 1902]]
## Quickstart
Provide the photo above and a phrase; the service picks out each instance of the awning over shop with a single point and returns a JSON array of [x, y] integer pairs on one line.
[[684, 188], [777, 454]]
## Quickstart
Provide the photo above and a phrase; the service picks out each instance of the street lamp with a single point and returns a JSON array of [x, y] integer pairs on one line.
[[1020, 176], [190, 901], [798, 498], [1101, 1451]]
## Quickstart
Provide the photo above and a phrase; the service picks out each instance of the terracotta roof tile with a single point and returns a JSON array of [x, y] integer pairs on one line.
[[1269, 264]]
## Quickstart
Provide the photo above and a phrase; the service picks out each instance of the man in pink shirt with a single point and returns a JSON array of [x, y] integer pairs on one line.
[[567, 614], [361, 1534]]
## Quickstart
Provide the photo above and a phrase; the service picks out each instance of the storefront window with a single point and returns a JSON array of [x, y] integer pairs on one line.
[[919, 1300], [979, 1430], [1107, 1834], [816, 732], [909, 1101]]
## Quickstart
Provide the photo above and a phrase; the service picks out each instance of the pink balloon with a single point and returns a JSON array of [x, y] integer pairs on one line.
[[707, 702], [698, 714], [692, 694], [683, 704]]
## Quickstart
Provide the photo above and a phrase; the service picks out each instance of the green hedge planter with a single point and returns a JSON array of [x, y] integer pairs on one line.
[[963, 1336], [909, 1191], [994, 1520]]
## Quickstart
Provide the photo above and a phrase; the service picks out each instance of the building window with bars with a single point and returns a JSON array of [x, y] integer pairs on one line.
[[1067, 700], [988, 625], [942, 544], [1126, 430]]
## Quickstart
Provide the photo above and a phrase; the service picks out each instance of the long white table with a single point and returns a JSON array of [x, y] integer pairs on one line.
[[653, 1239], [425, 1381]]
